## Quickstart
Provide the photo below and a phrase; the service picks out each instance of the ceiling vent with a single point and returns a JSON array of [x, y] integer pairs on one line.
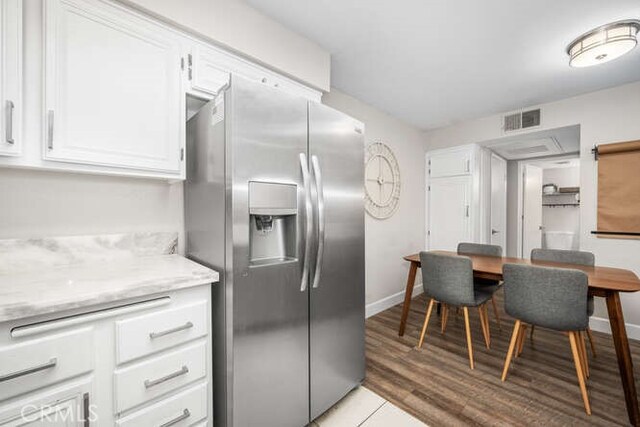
[[521, 120]]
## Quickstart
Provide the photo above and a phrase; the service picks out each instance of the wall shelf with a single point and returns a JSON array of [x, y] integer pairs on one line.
[[553, 205]]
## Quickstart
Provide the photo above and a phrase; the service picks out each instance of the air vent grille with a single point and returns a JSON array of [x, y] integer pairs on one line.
[[521, 120], [530, 119], [512, 122]]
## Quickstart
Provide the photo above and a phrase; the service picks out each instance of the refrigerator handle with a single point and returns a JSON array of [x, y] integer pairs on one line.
[[308, 222], [321, 220]]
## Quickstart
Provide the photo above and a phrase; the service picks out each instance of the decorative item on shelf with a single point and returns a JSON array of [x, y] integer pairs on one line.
[[549, 189], [382, 181]]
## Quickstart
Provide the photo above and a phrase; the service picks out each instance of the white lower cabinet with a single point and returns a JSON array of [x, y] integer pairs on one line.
[[182, 409], [60, 375], [66, 405]]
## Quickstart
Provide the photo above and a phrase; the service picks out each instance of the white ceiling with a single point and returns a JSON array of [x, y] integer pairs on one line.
[[437, 62]]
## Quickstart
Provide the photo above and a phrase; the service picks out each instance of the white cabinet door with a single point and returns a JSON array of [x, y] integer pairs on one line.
[[449, 212], [450, 163], [65, 406], [206, 71], [11, 77], [113, 90]]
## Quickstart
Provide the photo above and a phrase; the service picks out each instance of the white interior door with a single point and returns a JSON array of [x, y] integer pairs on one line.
[[449, 212], [532, 210], [499, 201]]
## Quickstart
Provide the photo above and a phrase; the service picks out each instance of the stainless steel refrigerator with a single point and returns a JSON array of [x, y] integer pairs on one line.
[[274, 201]]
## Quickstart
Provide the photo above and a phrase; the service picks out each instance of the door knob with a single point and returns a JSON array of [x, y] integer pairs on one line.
[[494, 231]]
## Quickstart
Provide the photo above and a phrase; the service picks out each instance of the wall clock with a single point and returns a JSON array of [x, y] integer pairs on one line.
[[382, 181]]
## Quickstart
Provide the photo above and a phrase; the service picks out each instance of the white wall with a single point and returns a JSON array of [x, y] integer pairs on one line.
[[38, 203], [238, 26], [605, 116], [387, 241]]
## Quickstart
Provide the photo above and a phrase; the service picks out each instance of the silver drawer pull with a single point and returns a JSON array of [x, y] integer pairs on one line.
[[152, 383], [50, 117], [9, 122], [185, 414], [50, 364], [187, 325]]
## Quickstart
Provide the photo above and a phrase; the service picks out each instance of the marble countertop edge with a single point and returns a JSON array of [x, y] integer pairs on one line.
[[60, 289]]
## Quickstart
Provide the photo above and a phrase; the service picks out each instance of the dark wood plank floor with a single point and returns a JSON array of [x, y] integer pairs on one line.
[[436, 385]]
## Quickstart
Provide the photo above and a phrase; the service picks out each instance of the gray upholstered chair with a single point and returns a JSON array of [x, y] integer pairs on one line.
[[569, 257], [487, 285], [448, 279], [554, 298]]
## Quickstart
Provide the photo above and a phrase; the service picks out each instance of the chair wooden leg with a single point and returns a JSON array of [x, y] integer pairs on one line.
[[484, 324], [468, 330], [426, 322], [495, 311], [523, 331], [444, 317], [512, 346], [573, 339], [585, 359], [591, 342]]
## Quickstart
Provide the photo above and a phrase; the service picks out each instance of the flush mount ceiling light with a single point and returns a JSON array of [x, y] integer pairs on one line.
[[604, 43]]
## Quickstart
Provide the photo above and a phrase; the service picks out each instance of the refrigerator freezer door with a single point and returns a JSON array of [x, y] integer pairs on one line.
[[267, 134], [337, 365]]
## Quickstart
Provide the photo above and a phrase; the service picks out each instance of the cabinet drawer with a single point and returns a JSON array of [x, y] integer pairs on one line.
[[37, 363], [150, 333], [152, 378], [183, 409]]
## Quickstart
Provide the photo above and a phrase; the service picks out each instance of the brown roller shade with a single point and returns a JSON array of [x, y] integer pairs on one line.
[[619, 187]]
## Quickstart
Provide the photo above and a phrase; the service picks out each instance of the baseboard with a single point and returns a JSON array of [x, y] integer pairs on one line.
[[388, 302], [602, 325]]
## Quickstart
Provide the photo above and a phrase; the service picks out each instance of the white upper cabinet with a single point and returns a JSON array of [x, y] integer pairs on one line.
[[206, 71], [452, 162], [209, 69], [113, 91], [11, 77]]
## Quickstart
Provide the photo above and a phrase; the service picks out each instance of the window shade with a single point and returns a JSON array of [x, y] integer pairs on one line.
[[619, 187]]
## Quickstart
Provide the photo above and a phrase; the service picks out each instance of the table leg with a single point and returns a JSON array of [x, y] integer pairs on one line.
[[623, 353], [408, 292]]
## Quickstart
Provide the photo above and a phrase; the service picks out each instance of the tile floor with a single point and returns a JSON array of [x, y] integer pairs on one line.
[[364, 408]]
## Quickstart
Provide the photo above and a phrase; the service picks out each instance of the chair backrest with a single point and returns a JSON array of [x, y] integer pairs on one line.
[[561, 255], [479, 249], [554, 298], [447, 278]]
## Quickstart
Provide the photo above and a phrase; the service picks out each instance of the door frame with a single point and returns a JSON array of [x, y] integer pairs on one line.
[[521, 168]]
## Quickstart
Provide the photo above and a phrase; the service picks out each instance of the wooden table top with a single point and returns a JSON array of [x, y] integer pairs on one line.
[[600, 278]]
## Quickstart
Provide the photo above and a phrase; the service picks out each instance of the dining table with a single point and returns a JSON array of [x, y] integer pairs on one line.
[[604, 282]]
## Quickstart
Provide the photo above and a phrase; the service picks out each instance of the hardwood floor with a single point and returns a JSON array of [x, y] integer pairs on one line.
[[436, 385]]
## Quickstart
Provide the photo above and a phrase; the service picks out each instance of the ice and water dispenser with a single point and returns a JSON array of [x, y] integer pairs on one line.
[[273, 209]]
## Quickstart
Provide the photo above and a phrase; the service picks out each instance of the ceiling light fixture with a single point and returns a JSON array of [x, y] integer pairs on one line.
[[604, 44]]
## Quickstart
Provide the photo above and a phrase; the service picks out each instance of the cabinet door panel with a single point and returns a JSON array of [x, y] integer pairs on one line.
[[10, 77], [450, 163], [208, 72], [449, 213], [68, 405], [112, 88]]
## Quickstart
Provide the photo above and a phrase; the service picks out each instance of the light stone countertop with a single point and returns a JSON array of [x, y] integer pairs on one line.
[[64, 288], [113, 275]]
